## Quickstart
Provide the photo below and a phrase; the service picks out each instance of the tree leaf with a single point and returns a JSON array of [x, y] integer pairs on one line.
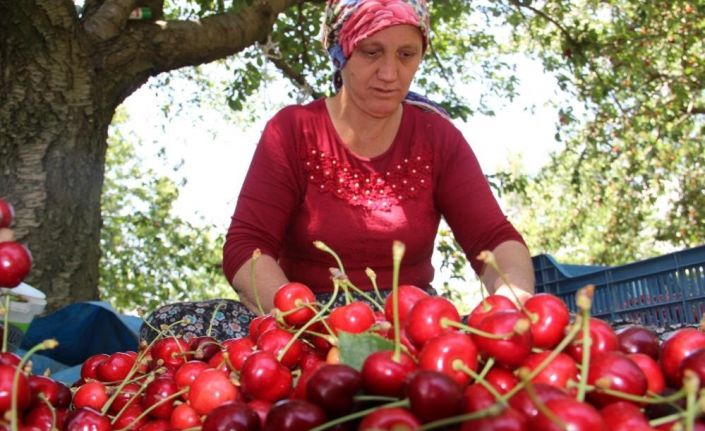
[[354, 348]]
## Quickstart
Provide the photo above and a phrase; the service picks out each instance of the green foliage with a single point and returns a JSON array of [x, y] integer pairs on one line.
[[630, 181], [149, 255]]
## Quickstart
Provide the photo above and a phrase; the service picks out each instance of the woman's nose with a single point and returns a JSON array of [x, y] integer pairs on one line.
[[388, 69]]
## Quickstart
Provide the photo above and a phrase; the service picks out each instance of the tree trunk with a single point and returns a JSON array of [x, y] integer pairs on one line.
[[61, 80], [53, 145]]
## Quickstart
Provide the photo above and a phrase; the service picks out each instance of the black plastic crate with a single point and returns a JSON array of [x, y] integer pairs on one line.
[[661, 291]]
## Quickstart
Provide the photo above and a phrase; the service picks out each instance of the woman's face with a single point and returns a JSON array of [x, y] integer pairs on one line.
[[377, 76]]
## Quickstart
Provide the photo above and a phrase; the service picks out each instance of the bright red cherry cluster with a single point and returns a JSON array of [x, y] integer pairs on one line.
[[502, 367], [15, 259]]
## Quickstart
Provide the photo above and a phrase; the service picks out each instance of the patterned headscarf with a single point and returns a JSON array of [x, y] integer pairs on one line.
[[347, 22]]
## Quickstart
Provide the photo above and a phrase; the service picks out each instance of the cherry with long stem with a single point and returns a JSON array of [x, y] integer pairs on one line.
[[44, 345], [398, 249], [373, 279]]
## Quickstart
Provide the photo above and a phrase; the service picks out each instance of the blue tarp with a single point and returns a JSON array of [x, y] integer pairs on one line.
[[82, 329]]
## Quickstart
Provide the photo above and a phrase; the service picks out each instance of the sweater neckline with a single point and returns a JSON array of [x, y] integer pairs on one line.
[[339, 141]]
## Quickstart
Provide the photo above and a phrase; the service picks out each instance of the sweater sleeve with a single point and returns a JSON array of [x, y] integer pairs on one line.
[[269, 195], [467, 203]]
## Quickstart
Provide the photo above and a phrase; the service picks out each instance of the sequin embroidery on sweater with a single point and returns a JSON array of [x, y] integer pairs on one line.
[[370, 190]]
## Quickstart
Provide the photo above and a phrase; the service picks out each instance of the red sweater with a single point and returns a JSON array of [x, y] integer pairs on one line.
[[304, 185]]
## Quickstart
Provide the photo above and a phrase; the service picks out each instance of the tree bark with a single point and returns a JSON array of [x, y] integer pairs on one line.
[[62, 77]]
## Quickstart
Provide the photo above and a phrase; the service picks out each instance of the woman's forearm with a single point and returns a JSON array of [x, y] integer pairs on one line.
[[514, 261], [268, 276]]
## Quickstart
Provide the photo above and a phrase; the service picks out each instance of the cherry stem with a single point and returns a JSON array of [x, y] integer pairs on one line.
[[398, 249], [154, 406], [315, 318], [52, 409], [6, 322], [367, 398], [459, 365], [666, 419], [493, 410], [138, 361], [487, 257], [220, 305], [691, 382], [584, 302], [540, 405], [143, 387], [445, 322], [364, 294], [359, 414], [486, 369], [253, 263], [44, 345], [323, 247], [624, 395], [572, 333], [373, 279]]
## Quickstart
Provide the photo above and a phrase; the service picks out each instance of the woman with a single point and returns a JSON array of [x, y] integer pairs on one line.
[[367, 166]]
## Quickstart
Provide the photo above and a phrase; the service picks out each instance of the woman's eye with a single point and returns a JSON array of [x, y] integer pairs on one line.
[[371, 53]]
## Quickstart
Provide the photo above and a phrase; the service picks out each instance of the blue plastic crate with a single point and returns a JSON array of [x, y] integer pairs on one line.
[[660, 291]]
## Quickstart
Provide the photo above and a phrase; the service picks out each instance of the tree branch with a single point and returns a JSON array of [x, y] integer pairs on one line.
[[107, 22], [298, 79], [176, 44]]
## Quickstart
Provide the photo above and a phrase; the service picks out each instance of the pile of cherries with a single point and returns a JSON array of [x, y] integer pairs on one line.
[[409, 361]]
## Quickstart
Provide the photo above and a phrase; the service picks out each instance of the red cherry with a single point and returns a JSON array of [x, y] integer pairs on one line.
[[549, 318], [158, 397], [675, 349], [426, 319], [502, 379], [130, 418], [261, 408], [508, 420], [156, 425], [603, 339], [558, 372], [259, 325], [408, 295], [576, 415], [652, 371], [183, 417], [695, 362], [131, 393], [187, 374], [446, 352], [294, 415], [15, 263], [333, 387], [211, 389], [263, 377], [389, 419], [625, 416], [43, 418], [89, 369], [115, 368], [320, 337], [7, 213], [638, 339], [58, 394], [488, 306], [614, 370], [91, 394], [9, 358], [433, 395], [296, 302], [353, 318], [382, 375], [509, 352], [274, 340], [232, 416], [524, 404], [203, 347], [7, 375], [238, 350], [170, 352], [476, 397], [86, 418]]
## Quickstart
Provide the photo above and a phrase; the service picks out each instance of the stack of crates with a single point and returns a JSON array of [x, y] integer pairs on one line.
[[663, 291]]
